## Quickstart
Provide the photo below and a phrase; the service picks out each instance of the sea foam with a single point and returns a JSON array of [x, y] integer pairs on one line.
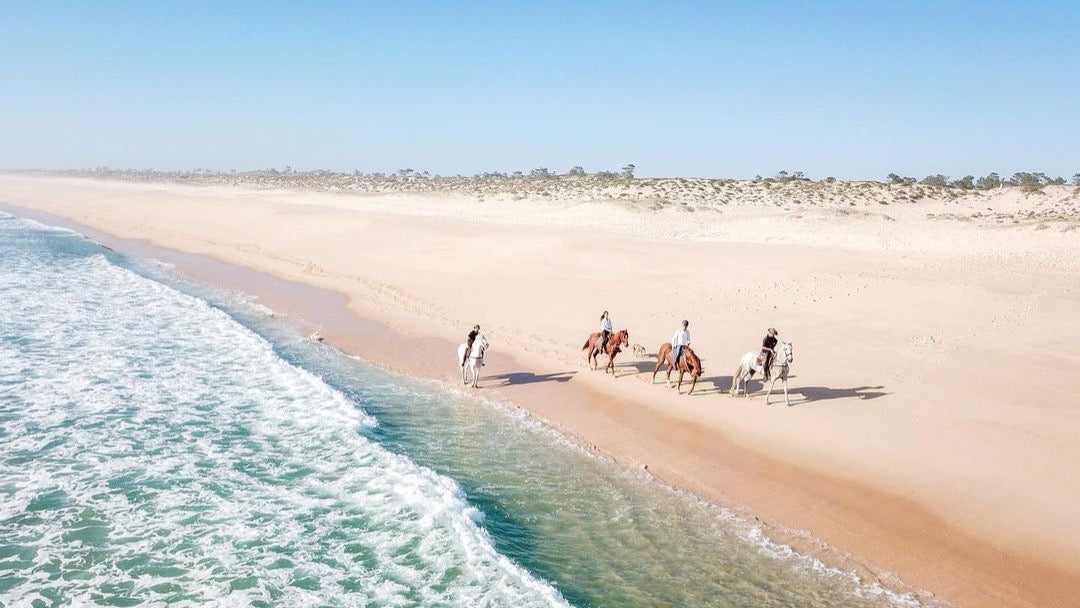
[[155, 449]]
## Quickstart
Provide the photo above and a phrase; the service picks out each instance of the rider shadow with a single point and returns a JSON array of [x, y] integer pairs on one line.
[[531, 378], [822, 393]]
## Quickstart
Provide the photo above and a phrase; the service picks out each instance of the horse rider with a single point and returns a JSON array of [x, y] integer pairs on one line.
[[680, 341], [768, 350], [468, 343], [605, 330]]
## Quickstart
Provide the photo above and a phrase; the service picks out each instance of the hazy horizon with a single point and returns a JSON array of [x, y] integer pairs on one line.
[[846, 90]]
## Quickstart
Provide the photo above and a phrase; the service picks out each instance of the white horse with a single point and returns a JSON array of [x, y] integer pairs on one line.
[[748, 366], [476, 359]]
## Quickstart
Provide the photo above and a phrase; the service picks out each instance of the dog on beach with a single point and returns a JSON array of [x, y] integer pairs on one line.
[[639, 351]]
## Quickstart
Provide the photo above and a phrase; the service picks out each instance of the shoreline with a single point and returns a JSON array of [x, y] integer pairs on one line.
[[313, 307], [861, 525]]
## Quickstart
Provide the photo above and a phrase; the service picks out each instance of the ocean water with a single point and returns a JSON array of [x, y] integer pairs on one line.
[[165, 443]]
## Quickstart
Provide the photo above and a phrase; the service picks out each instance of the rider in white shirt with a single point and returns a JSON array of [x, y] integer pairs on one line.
[[680, 340], [605, 330]]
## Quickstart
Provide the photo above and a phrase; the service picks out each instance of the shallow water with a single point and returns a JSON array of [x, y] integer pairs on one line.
[[170, 443]]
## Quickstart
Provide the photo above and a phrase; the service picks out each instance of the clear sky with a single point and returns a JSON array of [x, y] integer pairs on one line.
[[849, 89]]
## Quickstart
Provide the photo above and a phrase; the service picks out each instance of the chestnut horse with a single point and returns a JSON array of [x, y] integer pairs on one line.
[[689, 362], [592, 345]]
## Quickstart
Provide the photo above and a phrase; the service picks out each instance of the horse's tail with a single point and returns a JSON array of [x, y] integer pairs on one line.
[[587, 343]]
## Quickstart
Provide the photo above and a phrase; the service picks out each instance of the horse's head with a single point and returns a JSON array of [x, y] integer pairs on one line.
[[622, 338], [481, 342], [789, 352]]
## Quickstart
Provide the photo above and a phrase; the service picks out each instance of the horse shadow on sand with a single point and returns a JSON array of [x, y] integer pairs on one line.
[[801, 395], [712, 385], [706, 385], [516, 378], [641, 366], [811, 394], [715, 385]]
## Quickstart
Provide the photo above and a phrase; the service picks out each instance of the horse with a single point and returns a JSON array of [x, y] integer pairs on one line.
[[592, 345], [475, 361], [688, 362], [749, 365]]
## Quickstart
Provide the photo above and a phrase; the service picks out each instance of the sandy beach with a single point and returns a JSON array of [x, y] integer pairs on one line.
[[931, 441]]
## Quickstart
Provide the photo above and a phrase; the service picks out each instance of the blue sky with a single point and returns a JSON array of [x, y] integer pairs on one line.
[[849, 89]]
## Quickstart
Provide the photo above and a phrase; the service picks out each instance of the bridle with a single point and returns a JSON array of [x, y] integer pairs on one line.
[[479, 347]]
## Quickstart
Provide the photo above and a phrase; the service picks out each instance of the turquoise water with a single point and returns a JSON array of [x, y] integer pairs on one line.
[[166, 443]]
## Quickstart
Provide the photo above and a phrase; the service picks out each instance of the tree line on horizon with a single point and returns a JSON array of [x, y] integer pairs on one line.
[[627, 172], [1026, 180]]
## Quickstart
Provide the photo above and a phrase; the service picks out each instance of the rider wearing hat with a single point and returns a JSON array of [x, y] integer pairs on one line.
[[768, 350]]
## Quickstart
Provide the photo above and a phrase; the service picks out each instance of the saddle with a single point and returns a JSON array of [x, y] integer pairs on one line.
[[760, 361]]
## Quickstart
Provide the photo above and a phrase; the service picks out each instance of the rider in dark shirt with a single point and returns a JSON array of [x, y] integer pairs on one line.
[[768, 348], [468, 343]]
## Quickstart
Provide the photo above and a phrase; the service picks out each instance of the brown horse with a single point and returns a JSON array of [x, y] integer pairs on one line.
[[689, 362], [592, 345]]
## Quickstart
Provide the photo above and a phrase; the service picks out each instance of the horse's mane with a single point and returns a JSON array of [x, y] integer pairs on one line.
[[616, 337], [690, 354]]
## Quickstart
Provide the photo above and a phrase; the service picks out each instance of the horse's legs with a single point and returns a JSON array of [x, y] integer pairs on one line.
[[679, 387], [786, 400], [769, 390], [475, 374]]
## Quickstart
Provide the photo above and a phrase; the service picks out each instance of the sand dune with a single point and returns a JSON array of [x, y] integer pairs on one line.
[[937, 337]]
